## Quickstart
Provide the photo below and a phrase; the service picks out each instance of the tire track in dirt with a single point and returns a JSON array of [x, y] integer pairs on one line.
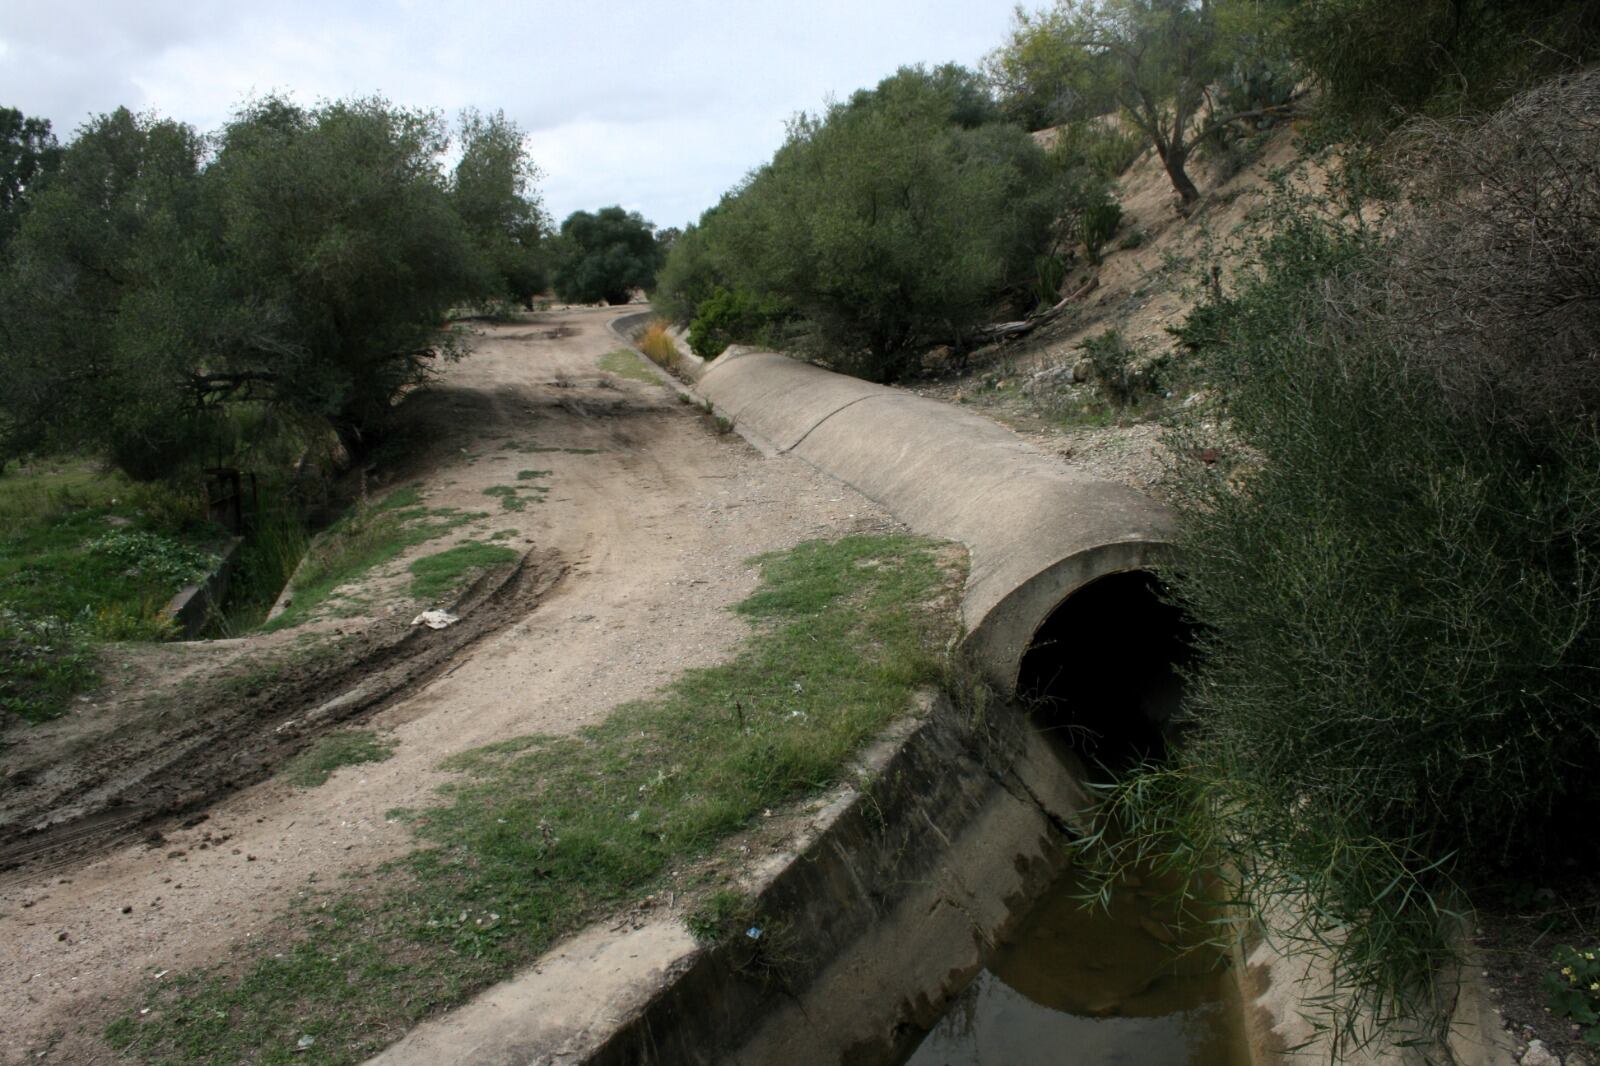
[[234, 743]]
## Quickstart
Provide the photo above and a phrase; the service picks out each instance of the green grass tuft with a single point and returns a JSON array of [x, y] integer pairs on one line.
[[432, 576], [369, 536], [317, 763], [517, 497]]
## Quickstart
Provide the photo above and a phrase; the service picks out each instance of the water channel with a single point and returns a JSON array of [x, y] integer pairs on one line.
[[1095, 987]]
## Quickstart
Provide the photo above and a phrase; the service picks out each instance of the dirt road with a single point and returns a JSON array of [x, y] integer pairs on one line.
[[652, 514]]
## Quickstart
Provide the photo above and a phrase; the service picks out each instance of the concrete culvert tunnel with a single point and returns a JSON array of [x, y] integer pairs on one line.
[[1102, 673], [1062, 607]]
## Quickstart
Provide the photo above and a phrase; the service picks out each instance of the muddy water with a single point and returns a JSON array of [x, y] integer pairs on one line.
[[1092, 988]]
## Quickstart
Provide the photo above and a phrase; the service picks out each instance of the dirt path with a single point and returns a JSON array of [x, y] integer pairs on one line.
[[654, 516]]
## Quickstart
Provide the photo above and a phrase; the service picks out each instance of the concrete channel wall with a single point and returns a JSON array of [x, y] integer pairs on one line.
[[1036, 530]]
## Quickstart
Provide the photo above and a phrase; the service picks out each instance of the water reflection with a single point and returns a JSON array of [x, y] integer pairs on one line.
[[1092, 988]]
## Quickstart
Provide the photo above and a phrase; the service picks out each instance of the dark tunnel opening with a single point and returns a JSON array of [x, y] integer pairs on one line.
[[1102, 674]]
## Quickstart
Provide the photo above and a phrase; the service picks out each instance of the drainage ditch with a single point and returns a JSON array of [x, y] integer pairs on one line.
[[1101, 680], [933, 909], [1106, 984]]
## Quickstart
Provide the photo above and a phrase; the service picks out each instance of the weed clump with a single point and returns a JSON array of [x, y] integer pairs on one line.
[[43, 664], [657, 343], [1118, 370]]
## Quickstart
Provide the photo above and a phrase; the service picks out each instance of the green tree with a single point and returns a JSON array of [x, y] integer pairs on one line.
[[493, 192], [108, 297], [893, 220], [310, 266], [28, 151], [605, 256], [1160, 60], [689, 273], [339, 234], [1043, 79]]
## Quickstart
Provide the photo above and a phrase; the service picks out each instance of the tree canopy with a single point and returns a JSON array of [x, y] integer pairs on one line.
[[893, 219], [305, 258], [605, 256], [28, 150], [493, 191]]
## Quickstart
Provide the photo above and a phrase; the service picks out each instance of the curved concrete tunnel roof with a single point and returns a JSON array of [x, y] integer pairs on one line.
[[1037, 531]]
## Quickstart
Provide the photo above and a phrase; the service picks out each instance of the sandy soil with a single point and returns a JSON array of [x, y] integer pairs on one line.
[[655, 518]]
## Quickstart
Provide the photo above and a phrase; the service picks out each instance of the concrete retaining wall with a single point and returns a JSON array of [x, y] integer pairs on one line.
[[191, 608], [1037, 531], [887, 914]]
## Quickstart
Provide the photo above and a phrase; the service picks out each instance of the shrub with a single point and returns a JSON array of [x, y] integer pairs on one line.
[[1120, 373], [659, 346], [690, 274], [1379, 62], [1050, 272], [731, 317], [1085, 159], [1103, 146], [1100, 222], [1393, 579]]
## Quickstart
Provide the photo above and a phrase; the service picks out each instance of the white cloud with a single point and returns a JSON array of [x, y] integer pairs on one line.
[[659, 107]]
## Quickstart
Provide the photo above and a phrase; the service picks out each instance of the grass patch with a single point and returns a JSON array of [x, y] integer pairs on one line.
[[625, 364], [369, 536], [504, 534], [433, 576], [85, 555], [43, 664], [517, 497], [539, 835], [97, 551], [317, 763]]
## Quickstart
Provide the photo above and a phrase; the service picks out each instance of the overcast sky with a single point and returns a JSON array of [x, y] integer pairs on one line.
[[657, 106]]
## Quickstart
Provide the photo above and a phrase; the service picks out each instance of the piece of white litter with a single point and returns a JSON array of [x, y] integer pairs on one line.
[[305, 1042], [435, 619], [754, 933]]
